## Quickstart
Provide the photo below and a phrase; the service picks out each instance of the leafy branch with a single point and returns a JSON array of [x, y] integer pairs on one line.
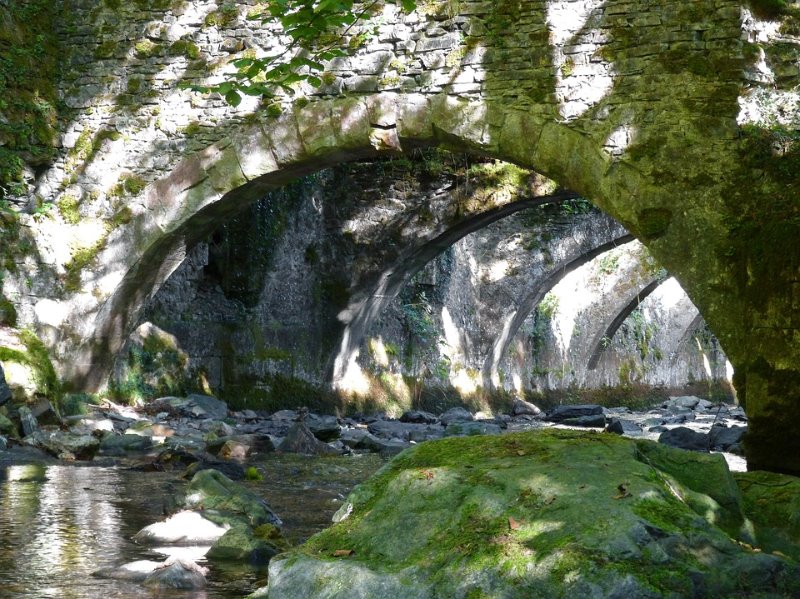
[[317, 29]]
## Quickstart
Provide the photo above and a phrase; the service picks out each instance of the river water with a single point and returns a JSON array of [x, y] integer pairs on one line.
[[59, 523]]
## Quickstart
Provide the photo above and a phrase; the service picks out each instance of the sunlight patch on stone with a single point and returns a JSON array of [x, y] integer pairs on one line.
[[353, 379], [619, 140], [583, 78], [378, 351]]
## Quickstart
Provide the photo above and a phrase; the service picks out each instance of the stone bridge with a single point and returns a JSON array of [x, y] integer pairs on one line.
[[679, 119]]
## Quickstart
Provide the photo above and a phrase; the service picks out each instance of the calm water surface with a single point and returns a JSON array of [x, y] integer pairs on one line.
[[59, 523]]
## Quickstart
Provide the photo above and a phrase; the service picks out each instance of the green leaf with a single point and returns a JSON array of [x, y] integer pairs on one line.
[[233, 98], [314, 81]]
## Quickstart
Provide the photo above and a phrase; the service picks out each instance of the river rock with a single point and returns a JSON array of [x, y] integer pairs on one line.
[[532, 515], [211, 490], [456, 415], [723, 438], [418, 417], [595, 421], [684, 438], [520, 407], [45, 413], [299, 439], [118, 445], [177, 573], [27, 421], [64, 444], [243, 544], [3, 443], [560, 413], [231, 470], [5, 391], [621, 426], [324, 428], [184, 528], [192, 406]]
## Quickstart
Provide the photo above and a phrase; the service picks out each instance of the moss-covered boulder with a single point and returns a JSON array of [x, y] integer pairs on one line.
[[537, 514], [772, 502], [224, 501], [244, 544]]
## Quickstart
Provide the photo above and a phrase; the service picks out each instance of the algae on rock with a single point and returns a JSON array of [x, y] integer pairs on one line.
[[537, 514]]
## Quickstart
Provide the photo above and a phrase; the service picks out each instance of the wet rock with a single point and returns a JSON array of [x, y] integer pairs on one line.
[[3, 443], [230, 501], [418, 417], [183, 528], [462, 429], [685, 438], [243, 544], [64, 445], [561, 413], [254, 442], [177, 574], [231, 470], [173, 573], [520, 407], [456, 415], [392, 429], [87, 426], [118, 445], [722, 438], [621, 426], [299, 439], [27, 421], [5, 391]]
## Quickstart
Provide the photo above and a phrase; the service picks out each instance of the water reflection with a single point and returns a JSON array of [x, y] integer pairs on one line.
[[58, 524]]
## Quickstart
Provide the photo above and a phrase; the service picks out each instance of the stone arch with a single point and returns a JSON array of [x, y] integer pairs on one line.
[[607, 332], [534, 296]]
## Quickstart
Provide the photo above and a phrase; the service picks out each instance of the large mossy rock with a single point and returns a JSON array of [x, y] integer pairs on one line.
[[537, 514], [772, 503], [223, 501]]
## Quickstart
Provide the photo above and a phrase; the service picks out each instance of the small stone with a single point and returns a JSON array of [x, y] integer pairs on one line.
[[521, 407], [27, 420]]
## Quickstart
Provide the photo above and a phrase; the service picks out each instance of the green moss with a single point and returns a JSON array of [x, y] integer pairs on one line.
[[134, 85], [37, 358], [69, 208], [106, 49], [8, 313], [252, 473], [185, 48], [223, 17], [147, 49], [81, 259], [653, 223]]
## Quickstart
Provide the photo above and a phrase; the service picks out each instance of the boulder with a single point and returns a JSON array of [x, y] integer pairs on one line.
[[7, 427], [299, 439], [684, 438], [3, 443], [385, 447], [231, 470], [621, 426], [418, 417], [685, 402], [27, 421], [192, 406], [230, 502], [596, 421], [183, 528], [177, 573], [520, 407], [560, 413], [118, 445], [233, 450], [5, 391], [64, 445], [532, 515], [243, 544], [45, 413], [456, 415], [324, 428], [723, 438]]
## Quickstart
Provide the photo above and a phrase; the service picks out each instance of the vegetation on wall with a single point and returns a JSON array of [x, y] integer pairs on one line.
[[28, 101]]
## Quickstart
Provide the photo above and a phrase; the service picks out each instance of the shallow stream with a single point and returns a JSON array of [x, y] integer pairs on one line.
[[59, 523]]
